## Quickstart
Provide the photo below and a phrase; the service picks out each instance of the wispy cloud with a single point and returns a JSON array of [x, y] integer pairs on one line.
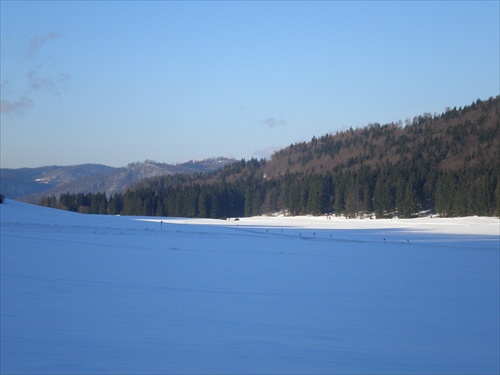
[[17, 106], [265, 153], [37, 79], [38, 41], [272, 122], [39, 82]]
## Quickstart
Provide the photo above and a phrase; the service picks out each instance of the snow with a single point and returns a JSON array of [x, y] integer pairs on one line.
[[117, 294], [464, 225]]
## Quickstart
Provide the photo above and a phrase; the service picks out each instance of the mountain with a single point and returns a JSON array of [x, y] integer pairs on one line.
[[15, 183], [448, 164], [30, 184]]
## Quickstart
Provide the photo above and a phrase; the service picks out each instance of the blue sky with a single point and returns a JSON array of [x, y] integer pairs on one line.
[[118, 82]]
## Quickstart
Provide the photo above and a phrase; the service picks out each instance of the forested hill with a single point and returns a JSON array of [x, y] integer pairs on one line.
[[446, 164], [457, 139]]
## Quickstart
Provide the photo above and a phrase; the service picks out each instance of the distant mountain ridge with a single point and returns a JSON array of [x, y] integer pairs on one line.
[[29, 184]]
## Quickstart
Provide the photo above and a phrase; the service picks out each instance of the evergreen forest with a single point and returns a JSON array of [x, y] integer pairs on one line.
[[445, 164]]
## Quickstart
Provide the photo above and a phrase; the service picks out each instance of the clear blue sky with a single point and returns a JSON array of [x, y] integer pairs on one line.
[[117, 82]]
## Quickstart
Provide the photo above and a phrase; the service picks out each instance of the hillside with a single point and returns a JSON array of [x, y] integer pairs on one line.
[[30, 184], [15, 183], [457, 139], [446, 164]]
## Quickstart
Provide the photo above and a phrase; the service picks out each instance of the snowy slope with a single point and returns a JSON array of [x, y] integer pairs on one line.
[[103, 294]]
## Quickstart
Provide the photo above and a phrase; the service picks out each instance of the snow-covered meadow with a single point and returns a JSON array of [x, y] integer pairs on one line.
[[106, 294]]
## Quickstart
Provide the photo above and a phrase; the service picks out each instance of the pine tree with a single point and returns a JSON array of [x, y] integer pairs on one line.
[[351, 196], [446, 188], [339, 193], [381, 198], [410, 207]]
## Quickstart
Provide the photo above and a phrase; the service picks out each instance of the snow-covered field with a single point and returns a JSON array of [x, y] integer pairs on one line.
[[104, 294]]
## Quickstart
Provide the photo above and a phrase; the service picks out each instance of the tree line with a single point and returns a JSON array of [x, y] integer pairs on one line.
[[392, 190]]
